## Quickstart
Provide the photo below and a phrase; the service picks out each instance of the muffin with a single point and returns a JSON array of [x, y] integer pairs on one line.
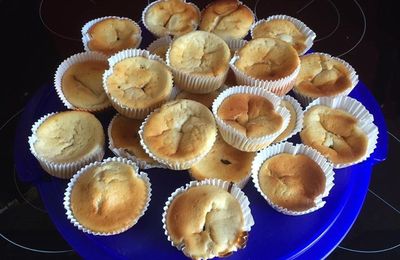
[[199, 71], [334, 133], [292, 178], [207, 219], [296, 118], [229, 19], [111, 34], [178, 134], [137, 82], [160, 47], [171, 17], [123, 134], [64, 142], [287, 29], [107, 198], [249, 118], [268, 63], [322, 75], [224, 162], [78, 82], [205, 99]]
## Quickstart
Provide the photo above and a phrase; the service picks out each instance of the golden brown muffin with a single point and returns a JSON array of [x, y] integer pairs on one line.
[[253, 116], [205, 99], [82, 85], [292, 122], [139, 82], [200, 53], [321, 76], [229, 19], [69, 136], [292, 181], [124, 135], [112, 35], [206, 220], [173, 17], [108, 197], [282, 29], [223, 162], [180, 131], [267, 59], [334, 133]]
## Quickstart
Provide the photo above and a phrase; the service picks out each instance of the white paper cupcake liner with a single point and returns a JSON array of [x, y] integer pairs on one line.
[[60, 170], [67, 196], [123, 153], [304, 29], [299, 117], [160, 42], [131, 112], [241, 184], [173, 165], [364, 117], [290, 148], [196, 83], [158, 35], [235, 191], [279, 87], [65, 65], [85, 30], [237, 139], [305, 100], [235, 44]]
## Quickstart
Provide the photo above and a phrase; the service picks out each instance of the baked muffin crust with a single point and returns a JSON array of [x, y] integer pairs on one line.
[[292, 181], [108, 197], [82, 84], [251, 115], [334, 133], [322, 76], [206, 220], [229, 19], [267, 59]]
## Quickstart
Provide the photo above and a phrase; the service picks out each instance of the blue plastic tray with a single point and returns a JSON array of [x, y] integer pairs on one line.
[[274, 235]]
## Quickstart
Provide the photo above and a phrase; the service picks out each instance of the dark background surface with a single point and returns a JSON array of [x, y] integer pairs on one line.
[[38, 35]]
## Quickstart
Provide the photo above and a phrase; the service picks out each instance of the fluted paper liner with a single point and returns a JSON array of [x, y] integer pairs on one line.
[[364, 121], [290, 148], [85, 30], [235, 44], [167, 33], [304, 29], [120, 152], [67, 196], [237, 139], [305, 100], [60, 170], [65, 65], [160, 42], [131, 112], [299, 117], [235, 191]]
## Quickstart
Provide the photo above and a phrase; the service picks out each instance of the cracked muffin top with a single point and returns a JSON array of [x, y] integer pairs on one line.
[[292, 181], [108, 197], [82, 84], [180, 130], [112, 35], [139, 82], [282, 29], [334, 133], [175, 17], [251, 115], [267, 59], [229, 19], [124, 135], [292, 122], [200, 53], [321, 75], [68, 136], [206, 220]]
